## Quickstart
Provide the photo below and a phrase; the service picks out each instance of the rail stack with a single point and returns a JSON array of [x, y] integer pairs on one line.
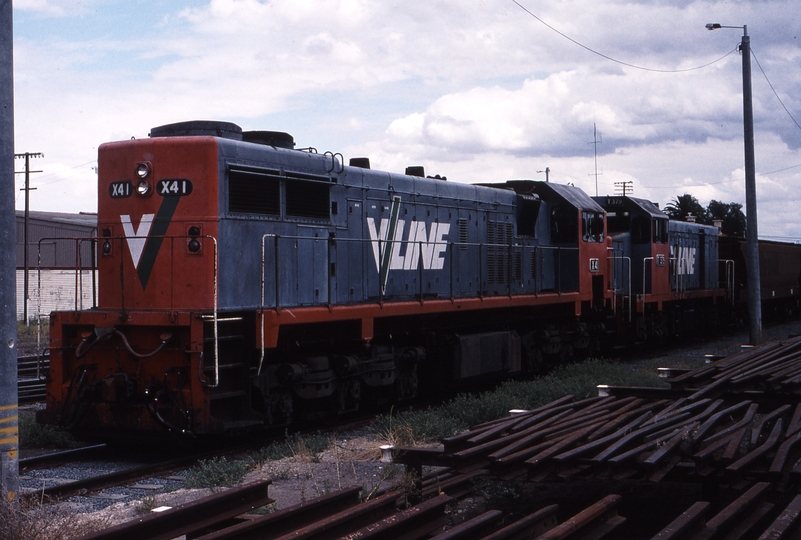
[[733, 425]]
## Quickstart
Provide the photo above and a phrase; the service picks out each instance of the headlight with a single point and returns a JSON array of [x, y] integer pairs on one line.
[[143, 188], [143, 170]]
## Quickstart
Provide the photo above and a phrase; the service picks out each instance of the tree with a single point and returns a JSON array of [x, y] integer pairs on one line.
[[732, 216], [685, 205]]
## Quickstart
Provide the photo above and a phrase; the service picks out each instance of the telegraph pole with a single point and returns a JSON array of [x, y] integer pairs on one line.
[[624, 188], [9, 431], [27, 189]]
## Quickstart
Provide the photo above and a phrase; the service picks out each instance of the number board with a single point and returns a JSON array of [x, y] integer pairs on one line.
[[120, 190], [174, 187]]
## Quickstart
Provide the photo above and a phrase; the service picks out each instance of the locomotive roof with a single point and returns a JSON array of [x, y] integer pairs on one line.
[[645, 205], [573, 195], [649, 207]]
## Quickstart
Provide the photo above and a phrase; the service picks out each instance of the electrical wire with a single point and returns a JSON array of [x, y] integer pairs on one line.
[[781, 170], [602, 55], [774, 90]]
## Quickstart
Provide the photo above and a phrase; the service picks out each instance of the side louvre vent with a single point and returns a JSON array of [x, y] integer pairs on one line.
[[463, 233], [499, 239], [308, 199], [254, 193]]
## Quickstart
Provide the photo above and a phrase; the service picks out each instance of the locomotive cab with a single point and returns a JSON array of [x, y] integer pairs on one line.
[[665, 271]]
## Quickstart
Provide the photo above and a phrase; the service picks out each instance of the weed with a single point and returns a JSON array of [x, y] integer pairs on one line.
[[283, 473], [404, 481], [415, 427], [579, 379], [32, 434], [26, 520], [295, 445], [266, 509], [215, 473], [146, 505]]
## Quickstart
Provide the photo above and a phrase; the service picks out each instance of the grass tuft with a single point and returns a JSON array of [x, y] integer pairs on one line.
[[34, 435], [26, 520], [295, 445], [579, 379], [216, 473]]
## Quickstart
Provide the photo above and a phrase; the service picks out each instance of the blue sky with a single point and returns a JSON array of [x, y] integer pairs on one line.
[[477, 91]]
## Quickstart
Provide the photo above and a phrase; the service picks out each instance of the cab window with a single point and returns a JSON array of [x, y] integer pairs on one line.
[[641, 230], [592, 227], [564, 225], [660, 231]]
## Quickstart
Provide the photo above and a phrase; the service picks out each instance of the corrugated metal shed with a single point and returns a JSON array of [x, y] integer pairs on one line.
[[66, 244], [50, 228]]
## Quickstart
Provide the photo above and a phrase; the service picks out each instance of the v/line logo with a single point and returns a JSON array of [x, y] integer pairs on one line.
[[419, 243], [144, 241], [685, 256]]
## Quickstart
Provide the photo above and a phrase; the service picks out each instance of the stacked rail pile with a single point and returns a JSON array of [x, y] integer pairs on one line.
[[771, 372], [628, 437]]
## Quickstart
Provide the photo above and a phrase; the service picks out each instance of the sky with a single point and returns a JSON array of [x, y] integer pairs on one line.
[[598, 92]]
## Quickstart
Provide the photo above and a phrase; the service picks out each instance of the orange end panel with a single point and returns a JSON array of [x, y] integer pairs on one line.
[[149, 265]]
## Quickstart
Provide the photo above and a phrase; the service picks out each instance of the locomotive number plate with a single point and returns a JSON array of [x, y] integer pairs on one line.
[[120, 190], [595, 265], [660, 260], [174, 187]]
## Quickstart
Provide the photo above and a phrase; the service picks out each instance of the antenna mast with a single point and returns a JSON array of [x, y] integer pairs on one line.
[[595, 142]]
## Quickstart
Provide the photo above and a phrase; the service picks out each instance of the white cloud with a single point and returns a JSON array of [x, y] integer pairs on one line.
[[475, 91]]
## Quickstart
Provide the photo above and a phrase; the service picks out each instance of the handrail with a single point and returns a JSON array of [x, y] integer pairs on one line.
[[627, 261], [730, 269], [120, 239], [645, 275], [216, 335], [420, 291]]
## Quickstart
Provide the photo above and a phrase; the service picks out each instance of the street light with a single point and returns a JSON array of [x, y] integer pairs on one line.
[[752, 246]]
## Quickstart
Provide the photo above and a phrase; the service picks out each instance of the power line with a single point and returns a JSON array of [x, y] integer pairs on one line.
[[774, 90], [781, 170], [602, 55]]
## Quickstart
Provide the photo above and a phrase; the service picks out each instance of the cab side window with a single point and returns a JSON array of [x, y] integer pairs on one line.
[[592, 227]]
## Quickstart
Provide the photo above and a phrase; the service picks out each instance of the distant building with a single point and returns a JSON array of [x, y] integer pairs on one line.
[[61, 262]]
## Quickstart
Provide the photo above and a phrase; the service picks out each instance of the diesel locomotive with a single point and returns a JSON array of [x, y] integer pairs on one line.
[[244, 283]]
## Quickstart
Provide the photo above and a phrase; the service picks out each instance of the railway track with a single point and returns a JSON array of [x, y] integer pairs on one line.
[[55, 488], [31, 374]]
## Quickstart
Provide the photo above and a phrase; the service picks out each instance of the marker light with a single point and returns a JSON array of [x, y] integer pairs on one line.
[[143, 170], [143, 188]]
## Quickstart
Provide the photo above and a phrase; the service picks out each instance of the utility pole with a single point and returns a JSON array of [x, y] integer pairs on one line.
[[547, 172], [596, 141], [27, 189], [751, 233], [9, 415], [624, 188]]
